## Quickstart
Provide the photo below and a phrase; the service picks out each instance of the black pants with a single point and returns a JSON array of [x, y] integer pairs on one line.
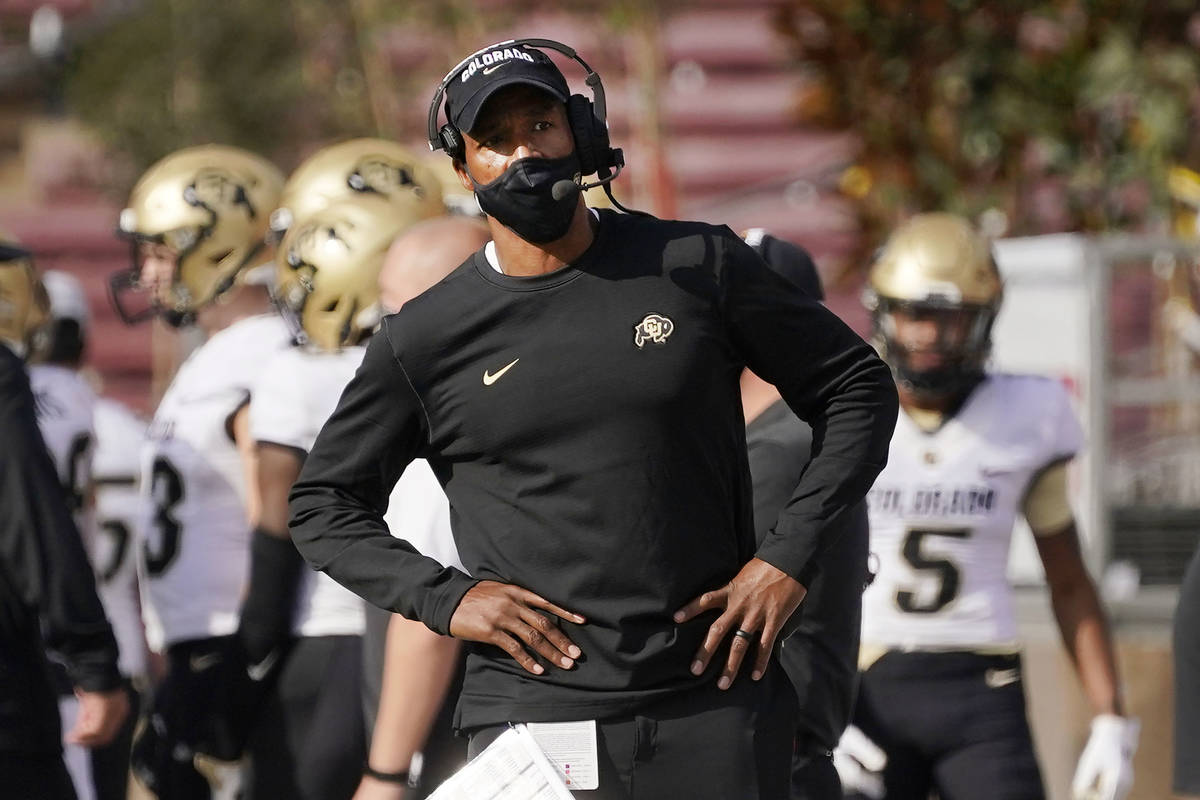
[[813, 775], [179, 719], [34, 776], [702, 745], [1187, 682], [952, 721], [310, 741]]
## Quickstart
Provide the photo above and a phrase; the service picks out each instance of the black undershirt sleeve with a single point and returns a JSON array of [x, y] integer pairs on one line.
[[830, 378], [45, 567], [337, 503]]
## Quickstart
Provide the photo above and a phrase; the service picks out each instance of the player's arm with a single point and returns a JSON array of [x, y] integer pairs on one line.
[[239, 428], [1106, 763], [1077, 609], [276, 568], [834, 381], [418, 666]]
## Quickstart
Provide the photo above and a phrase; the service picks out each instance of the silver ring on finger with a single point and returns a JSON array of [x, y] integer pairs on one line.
[[741, 634]]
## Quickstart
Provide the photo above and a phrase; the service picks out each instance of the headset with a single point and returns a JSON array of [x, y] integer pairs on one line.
[[587, 119]]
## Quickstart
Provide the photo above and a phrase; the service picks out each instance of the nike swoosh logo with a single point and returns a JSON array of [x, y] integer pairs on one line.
[[997, 678], [260, 670], [491, 69], [489, 379], [203, 661]]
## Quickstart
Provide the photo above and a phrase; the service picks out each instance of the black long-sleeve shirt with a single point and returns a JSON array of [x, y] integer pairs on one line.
[[46, 584], [586, 425]]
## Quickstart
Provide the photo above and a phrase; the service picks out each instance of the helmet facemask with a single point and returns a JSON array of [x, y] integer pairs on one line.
[[327, 271], [933, 293], [936, 350]]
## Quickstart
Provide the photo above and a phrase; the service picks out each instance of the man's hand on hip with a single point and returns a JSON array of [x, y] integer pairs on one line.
[[511, 618], [756, 604]]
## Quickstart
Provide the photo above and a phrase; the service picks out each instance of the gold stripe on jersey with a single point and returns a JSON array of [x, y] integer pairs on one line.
[[1046, 507]]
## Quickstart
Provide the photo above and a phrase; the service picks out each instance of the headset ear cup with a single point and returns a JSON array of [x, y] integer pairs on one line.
[[591, 135], [451, 141]]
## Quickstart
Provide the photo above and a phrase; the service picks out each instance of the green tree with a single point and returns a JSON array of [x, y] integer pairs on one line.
[[270, 77], [1043, 116]]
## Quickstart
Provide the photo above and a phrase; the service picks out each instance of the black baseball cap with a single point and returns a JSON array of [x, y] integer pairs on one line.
[[790, 261], [494, 69]]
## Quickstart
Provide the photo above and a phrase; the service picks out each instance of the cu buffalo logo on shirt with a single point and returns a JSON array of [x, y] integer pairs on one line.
[[654, 328]]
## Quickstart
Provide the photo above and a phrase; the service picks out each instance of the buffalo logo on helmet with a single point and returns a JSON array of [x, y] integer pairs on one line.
[[381, 175], [218, 189], [654, 328], [305, 252]]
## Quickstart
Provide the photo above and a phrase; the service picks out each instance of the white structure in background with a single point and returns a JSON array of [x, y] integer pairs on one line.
[[1056, 321], [1046, 326]]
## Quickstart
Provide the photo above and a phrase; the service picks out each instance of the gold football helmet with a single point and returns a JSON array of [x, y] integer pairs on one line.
[[934, 292], [359, 168], [457, 199], [209, 207], [24, 304], [327, 268]]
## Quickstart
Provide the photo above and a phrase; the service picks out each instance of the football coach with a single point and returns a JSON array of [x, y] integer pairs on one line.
[[574, 385]]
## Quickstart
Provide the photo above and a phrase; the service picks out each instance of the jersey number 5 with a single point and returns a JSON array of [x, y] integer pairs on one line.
[[167, 490], [942, 569]]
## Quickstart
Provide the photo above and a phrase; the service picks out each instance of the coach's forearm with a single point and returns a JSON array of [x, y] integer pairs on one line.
[[352, 545]]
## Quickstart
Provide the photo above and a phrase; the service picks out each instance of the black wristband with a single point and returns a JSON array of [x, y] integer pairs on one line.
[[276, 568], [400, 777]]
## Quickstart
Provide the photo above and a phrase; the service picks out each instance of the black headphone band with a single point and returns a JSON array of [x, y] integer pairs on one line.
[[592, 80]]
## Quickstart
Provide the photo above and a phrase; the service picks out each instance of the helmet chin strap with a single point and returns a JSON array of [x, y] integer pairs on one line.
[[946, 383]]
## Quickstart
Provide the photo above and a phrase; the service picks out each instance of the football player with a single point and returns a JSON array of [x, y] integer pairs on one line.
[[941, 690], [197, 220], [311, 740], [283, 607], [328, 273]]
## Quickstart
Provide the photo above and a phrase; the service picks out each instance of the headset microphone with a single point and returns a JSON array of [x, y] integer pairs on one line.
[[563, 189]]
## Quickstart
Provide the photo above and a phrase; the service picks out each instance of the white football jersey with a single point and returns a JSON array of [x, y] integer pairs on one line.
[[195, 548], [65, 407], [942, 515], [120, 509], [297, 393]]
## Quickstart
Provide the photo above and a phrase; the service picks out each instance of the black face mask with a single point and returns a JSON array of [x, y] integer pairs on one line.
[[522, 199]]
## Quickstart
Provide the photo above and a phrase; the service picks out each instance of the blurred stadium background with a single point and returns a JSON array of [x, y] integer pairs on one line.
[[1068, 129]]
